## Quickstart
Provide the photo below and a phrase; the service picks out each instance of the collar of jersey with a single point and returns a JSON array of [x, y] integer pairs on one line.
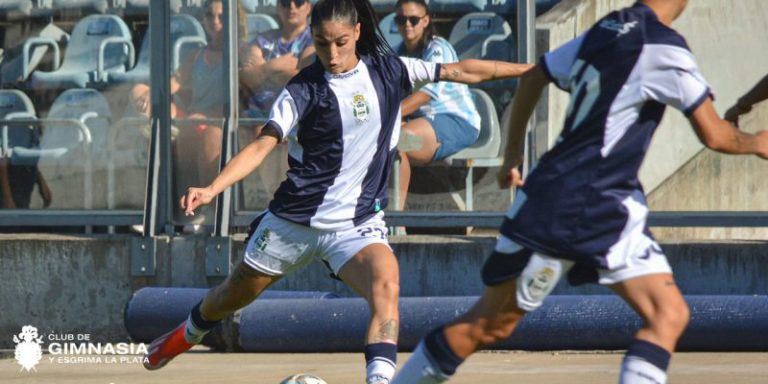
[[347, 74]]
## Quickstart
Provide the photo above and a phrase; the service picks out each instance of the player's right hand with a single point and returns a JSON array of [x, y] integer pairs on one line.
[[195, 197]]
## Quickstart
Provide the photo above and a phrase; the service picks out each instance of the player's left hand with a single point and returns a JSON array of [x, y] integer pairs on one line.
[[509, 176]]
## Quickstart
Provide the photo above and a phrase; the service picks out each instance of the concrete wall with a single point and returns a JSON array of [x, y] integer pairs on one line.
[[712, 181], [728, 39], [80, 284]]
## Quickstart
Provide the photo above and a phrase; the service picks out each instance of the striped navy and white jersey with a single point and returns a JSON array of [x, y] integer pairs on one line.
[[342, 131], [583, 201]]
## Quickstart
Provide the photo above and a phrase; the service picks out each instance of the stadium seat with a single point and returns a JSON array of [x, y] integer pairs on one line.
[[485, 35], [11, 9], [18, 62], [100, 6], [78, 127], [186, 32], [99, 45], [251, 6], [389, 29], [259, 22], [459, 6], [14, 101], [142, 6], [483, 153]]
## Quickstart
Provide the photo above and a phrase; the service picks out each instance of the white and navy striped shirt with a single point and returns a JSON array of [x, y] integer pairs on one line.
[[342, 131], [584, 200]]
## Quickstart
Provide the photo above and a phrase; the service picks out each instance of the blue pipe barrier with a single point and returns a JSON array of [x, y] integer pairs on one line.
[[152, 311], [718, 323]]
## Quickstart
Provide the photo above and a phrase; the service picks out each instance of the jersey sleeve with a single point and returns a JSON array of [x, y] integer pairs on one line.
[[557, 64], [437, 52], [284, 115], [675, 80], [420, 70]]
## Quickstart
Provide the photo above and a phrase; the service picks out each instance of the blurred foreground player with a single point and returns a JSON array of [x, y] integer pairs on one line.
[[582, 211]]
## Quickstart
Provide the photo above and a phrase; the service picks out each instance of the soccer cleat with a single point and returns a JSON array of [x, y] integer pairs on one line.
[[166, 347]]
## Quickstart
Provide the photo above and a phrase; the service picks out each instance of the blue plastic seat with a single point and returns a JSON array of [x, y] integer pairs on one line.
[[100, 6], [389, 29], [12, 9], [20, 61], [258, 23], [14, 101], [485, 152], [75, 148], [99, 45], [485, 35], [251, 6], [186, 34], [142, 6]]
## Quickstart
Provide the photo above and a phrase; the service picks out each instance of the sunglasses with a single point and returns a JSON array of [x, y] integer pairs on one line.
[[400, 19], [287, 3]]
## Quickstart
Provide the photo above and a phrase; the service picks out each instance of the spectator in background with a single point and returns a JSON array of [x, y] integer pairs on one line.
[[197, 94], [18, 180], [277, 55], [744, 104], [442, 115]]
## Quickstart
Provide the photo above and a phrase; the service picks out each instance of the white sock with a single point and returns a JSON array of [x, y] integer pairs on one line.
[[192, 333], [379, 368], [635, 370], [419, 369]]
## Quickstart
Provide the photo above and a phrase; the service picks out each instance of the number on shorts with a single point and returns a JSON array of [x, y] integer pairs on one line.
[[372, 232]]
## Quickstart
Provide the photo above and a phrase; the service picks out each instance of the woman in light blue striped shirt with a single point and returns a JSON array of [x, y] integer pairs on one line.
[[442, 114]]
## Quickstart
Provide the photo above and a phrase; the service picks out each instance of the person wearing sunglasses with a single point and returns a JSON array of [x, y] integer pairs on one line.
[[277, 55], [442, 114]]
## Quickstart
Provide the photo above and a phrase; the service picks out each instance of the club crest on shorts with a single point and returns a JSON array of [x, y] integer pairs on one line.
[[541, 282], [263, 239], [360, 108]]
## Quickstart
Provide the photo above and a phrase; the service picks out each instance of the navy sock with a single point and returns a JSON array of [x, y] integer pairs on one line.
[[438, 348], [380, 361], [650, 352], [198, 321]]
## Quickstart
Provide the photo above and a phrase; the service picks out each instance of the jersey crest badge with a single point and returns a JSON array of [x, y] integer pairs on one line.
[[360, 108]]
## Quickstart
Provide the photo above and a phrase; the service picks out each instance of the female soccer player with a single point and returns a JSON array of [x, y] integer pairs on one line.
[[341, 118]]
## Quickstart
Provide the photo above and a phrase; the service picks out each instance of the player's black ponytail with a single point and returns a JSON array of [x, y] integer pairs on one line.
[[371, 40]]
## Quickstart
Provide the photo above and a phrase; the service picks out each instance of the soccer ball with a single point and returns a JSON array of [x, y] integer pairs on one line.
[[303, 378]]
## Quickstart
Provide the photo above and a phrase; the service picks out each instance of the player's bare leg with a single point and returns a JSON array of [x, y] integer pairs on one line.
[[659, 302], [237, 291], [373, 274], [493, 318]]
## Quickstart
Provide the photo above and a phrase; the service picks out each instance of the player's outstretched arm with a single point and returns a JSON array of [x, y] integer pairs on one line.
[[473, 71], [237, 169], [744, 104], [721, 136], [527, 95]]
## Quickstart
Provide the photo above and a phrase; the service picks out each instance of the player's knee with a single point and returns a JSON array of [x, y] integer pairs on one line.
[[387, 290], [677, 317], [671, 320]]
